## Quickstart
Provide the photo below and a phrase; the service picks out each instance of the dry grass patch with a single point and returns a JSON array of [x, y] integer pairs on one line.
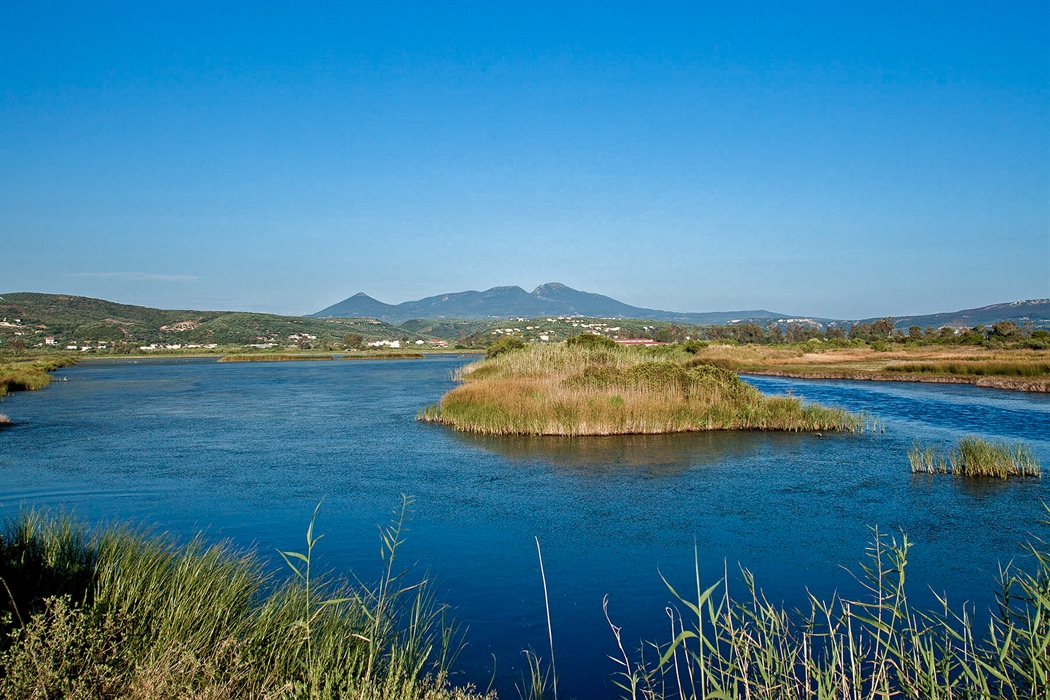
[[1019, 369], [599, 390]]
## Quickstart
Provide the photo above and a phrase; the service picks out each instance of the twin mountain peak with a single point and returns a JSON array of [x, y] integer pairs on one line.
[[551, 299], [556, 299]]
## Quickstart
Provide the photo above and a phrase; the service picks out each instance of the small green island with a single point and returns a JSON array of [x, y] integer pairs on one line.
[[590, 385]]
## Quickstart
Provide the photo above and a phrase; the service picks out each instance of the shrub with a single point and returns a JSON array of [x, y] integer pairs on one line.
[[507, 343], [590, 340]]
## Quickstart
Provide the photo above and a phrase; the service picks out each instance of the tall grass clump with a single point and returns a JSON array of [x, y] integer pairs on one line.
[[976, 457], [120, 613], [593, 388], [875, 647], [30, 375]]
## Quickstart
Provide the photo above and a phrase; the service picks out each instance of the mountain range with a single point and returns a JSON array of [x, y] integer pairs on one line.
[[554, 299], [68, 319]]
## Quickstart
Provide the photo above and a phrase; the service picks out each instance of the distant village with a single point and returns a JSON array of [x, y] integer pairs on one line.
[[542, 330]]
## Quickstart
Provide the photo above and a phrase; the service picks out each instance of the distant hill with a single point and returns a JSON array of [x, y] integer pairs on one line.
[[554, 299], [1034, 311], [74, 319], [69, 319], [551, 299]]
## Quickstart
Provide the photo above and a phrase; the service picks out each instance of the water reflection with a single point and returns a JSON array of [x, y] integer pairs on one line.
[[656, 454]]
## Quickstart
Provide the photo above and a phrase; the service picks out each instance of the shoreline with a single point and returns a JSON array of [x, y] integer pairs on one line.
[[1003, 383]]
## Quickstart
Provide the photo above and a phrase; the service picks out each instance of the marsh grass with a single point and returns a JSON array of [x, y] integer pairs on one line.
[[30, 375], [589, 389], [980, 368], [877, 647], [272, 358], [976, 457], [120, 613], [386, 356]]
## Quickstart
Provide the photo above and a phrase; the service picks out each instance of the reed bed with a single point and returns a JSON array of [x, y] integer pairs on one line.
[[874, 648], [976, 457], [119, 613], [29, 375], [386, 356], [979, 368], [599, 390], [272, 358]]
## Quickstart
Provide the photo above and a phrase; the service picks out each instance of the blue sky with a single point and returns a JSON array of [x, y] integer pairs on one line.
[[833, 159]]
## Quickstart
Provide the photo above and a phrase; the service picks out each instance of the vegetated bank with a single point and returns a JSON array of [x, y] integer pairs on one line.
[[1005, 356], [592, 386], [976, 457], [272, 357], [115, 612], [268, 357], [385, 356], [31, 374], [1018, 369]]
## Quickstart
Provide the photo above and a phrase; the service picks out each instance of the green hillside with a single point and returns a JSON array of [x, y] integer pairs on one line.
[[452, 330], [73, 320]]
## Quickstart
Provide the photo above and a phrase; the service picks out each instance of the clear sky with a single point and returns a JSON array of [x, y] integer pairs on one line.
[[833, 159]]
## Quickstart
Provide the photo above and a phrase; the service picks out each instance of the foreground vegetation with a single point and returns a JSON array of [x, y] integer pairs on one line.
[[592, 386], [874, 648], [117, 613], [973, 456]]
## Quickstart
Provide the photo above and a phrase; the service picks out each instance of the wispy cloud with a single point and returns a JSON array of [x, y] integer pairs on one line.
[[136, 276]]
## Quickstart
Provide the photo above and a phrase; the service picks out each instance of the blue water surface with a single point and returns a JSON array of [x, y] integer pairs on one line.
[[246, 451]]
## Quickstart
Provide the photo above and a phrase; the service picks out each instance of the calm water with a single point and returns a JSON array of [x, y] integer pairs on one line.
[[247, 450]]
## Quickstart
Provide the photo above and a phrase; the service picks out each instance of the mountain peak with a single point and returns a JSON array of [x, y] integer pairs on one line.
[[549, 287]]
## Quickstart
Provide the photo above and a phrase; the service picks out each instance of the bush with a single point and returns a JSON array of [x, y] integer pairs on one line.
[[589, 340], [694, 346], [505, 344]]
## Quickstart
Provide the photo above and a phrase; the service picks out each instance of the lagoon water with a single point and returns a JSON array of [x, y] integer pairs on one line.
[[245, 451]]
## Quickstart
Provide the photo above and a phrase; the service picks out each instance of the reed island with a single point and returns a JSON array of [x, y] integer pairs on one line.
[[590, 385]]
